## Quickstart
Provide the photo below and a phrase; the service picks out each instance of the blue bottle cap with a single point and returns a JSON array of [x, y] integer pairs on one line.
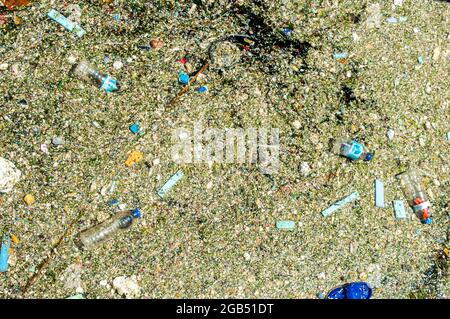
[[183, 78], [368, 157], [136, 213], [109, 84], [427, 221]]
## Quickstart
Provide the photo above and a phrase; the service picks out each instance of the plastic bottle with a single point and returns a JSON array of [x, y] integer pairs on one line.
[[351, 149], [410, 183], [86, 72], [108, 228]]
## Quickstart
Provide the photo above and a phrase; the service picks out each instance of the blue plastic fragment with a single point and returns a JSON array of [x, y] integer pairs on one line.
[[287, 31], [448, 136], [392, 20], [116, 17], [350, 198], [399, 209], [286, 224], [113, 202], [354, 290], [77, 296], [420, 60], [109, 84], [134, 128], [202, 89], [4, 253], [106, 60], [170, 183], [379, 194], [183, 78], [66, 23], [342, 55]]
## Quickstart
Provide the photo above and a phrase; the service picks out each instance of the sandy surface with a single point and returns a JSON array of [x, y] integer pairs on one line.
[[214, 235]]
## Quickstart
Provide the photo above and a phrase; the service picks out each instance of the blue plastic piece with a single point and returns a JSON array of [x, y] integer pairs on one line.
[[391, 20], [342, 55], [4, 253], [113, 202], [285, 224], [287, 31], [183, 78], [136, 213], [399, 209], [420, 60], [66, 23], [134, 128], [354, 290], [368, 157], [427, 221], [350, 198], [109, 84], [116, 17], [202, 89], [170, 183]]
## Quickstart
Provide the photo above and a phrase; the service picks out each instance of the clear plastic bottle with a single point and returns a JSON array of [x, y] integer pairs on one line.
[[410, 183], [351, 149], [86, 72], [108, 228]]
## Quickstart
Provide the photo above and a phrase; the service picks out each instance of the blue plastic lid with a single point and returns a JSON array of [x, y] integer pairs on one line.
[[427, 221], [368, 157], [136, 213], [202, 89], [354, 290], [183, 78]]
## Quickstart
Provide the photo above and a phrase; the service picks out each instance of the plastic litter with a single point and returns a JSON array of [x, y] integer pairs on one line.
[[183, 78], [105, 230], [339, 204], [399, 209], [11, 4], [338, 56], [379, 193], [134, 128], [285, 224], [410, 183], [420, 60], [29, 199], [86, 72], [77, 296], [354, 290], [4, 253], [202, 89], [66, 23], [133, 158], [351, 149], [170, 183], [9, 175]]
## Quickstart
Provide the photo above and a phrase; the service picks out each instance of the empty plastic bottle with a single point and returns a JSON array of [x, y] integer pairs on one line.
[[86, 72], [351, 149], [108, 228], [410, 183]]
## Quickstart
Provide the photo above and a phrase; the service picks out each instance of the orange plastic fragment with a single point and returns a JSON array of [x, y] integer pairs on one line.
[[14, 239], [133, 158], [11, 4]]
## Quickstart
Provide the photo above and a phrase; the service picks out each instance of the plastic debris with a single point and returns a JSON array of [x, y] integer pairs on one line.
[[44, 148], [127, 286], [29, 199], [65, 22], [170, 183], [287, 31], [4, 253], [116, 17], [9, 175], [107, 229], [57, 141], [134, 128], [133, 158], [117, 64], [86, 72], [348, 199], [379, 193], [420, 60], [391, 20], [77, 296], [338, 56], [390, 134], [354, 290], [285, 224], [448, 136], [410, 183], [399, 209], [113, 202], [374, 16], [202, 89], [183, 78], [351, 149]]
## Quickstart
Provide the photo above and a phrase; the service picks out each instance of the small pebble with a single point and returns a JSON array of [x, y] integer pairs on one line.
[[156, 44], [305, 168], [57, 141], [390, 134], [247, 256], [117, 65]]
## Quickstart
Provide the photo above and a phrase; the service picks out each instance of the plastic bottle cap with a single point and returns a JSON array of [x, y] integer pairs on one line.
[[427, 221], [183, 78], [368, 157], [136, 213]]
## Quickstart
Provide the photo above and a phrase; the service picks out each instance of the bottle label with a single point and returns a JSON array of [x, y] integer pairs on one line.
[[355, 151], [421, 206]]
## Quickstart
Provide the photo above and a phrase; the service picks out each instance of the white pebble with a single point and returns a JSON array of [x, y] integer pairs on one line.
[[305, 168], [297, 124], [398, 3], [117, 65], [156, 161], [4, 66], [390, 134], [247, 256]]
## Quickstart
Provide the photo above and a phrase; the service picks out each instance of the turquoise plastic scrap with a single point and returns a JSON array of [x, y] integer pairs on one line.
[[66, 23], [286, 224], [348, 199], [4, 253], [342, 55], [379, 194], [399, 209], [77, 296], [170, 183]]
